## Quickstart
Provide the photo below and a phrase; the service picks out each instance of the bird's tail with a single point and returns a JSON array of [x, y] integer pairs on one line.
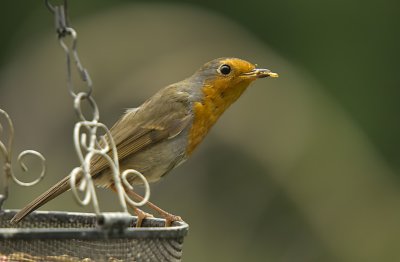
[[50, 194]]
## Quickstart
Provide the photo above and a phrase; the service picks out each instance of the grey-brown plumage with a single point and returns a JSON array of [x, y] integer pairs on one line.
[[160, 134], [152, 144]]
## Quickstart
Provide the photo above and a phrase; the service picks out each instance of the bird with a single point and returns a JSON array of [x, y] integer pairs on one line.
[[163, 132]]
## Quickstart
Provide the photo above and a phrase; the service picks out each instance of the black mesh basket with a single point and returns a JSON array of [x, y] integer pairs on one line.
[[64, 236]]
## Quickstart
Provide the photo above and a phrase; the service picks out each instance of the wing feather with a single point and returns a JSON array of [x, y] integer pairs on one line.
[[131, 137]]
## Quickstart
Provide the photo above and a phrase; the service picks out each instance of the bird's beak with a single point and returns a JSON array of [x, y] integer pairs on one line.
[[260, 73]]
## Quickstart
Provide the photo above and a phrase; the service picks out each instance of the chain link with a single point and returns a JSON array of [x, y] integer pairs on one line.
[[65, 31], [90, 146]]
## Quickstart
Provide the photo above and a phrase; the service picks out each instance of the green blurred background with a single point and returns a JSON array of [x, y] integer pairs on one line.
[[302, 168]]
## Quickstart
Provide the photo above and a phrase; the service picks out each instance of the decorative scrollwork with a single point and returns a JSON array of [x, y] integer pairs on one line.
[[130, 187], [89, 145], [6, 151], [25, 168]]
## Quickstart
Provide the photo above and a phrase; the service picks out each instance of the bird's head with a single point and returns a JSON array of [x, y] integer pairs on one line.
[[223, 80], [232, 71], [214, 87]]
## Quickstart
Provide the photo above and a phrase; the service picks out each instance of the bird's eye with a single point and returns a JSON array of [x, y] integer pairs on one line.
[[225, 69]]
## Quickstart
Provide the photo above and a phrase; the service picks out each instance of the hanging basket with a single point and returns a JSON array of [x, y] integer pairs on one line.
[[66, 236]]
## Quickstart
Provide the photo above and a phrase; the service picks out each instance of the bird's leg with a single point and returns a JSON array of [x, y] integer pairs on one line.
[[169, 218], [141, 215]]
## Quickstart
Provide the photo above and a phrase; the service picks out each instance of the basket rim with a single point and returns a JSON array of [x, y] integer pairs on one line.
[[152, 228]]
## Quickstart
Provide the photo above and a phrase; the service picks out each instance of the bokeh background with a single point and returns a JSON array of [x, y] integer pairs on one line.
[[302, 168]]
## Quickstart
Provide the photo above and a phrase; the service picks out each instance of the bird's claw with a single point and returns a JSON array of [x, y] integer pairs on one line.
[[141, 215], [169, 219]]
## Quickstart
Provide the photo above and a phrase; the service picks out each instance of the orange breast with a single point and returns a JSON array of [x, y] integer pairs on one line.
[[217, 98]]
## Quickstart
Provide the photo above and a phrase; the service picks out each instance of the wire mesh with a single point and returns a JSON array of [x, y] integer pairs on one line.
[[65, 236]]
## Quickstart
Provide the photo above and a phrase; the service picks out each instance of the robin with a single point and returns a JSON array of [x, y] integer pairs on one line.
[[163, 132]]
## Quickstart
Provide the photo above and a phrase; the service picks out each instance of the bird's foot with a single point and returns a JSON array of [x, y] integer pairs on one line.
[[170, 218], [141, 215]]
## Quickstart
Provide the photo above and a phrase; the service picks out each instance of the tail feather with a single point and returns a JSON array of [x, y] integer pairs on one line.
[[50, 194]]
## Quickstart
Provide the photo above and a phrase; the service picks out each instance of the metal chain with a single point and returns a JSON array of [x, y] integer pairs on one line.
[[95, 146], [64, 31]]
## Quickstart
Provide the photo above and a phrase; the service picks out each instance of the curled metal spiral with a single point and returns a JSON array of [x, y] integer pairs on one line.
[[130, 187], [89, 145], [6, 152]]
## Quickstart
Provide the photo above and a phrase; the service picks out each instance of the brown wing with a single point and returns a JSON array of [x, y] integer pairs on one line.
[[162, 117], [132, 133]]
